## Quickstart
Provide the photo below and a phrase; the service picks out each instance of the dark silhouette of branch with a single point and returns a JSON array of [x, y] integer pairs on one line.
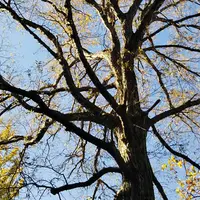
[[120, 14], [174, 111], [170, 23], [159, 187], [40, 134], [159, 74], [106, 119], [11, 140], [178, 64], [87, 66], [30, 94], [136, 38], [164, 143], [59, 56], [172, 46], [29, 140], [90, 181], [62, 89], [153, 106]]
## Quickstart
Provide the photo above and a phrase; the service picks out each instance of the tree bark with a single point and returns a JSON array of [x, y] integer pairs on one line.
[[137, 180]]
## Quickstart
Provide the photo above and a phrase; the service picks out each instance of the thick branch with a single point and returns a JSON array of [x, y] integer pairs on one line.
[[120, 14], [54, 115], [59, 56], [63, 89], [106, 119], [174, 111], [163, 142], [133, 9], [11, 140], [87, 66], [136, 37], [30, 94], [159, 187], [113, 54], [89, 182]]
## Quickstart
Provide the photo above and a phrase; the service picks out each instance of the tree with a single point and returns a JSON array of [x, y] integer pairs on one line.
[[9, 166], [118, 72]]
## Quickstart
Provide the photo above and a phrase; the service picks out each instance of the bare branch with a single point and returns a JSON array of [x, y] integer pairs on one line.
[[178, 64], [136, 37], [59, 56], [30, 94], [159, 75], [170, 23], [81, 89], [153, 106], [164, 143], [90, 181], [87, 66], [172, 46], [11, 140], [159, 187], [120, 14], [174, 111], [40, 134], [106, 119]]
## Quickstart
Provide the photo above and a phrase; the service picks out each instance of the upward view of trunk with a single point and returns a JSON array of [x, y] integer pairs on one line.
[[137, 181], [76, 108]]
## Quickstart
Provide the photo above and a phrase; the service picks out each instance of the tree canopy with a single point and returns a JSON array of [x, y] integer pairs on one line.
[[111, 110]]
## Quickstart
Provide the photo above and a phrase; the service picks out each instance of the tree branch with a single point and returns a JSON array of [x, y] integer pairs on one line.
[[159, 187], [40, 134], [63, 89], [87, 66], [30, 94], [23, 22], [89, 182], [119, 13], [163, 142], [136, 37], [11, 140], [177, 64], [174, 111], [153, 106], [170, 23], [160, 80], [106, 120], [59, 56], [171, 46], [133, 9], [114, 53]]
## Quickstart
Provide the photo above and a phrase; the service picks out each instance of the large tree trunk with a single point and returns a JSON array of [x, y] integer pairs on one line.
[[137, 180]]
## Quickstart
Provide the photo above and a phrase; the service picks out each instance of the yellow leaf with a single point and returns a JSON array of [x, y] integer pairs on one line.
[[180, 163], [164, 166]]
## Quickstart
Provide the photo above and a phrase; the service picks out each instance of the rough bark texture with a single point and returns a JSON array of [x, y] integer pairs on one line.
[[137, 182]]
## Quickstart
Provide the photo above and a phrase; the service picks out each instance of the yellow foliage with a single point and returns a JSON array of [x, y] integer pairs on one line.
[[164, 166], [191, 185], [9, 167]]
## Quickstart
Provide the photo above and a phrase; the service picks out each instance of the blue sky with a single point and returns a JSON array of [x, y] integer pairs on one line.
[[26, 52]]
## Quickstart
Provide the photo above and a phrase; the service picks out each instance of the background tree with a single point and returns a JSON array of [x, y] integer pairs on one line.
[[9, 165], [120, 91]]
